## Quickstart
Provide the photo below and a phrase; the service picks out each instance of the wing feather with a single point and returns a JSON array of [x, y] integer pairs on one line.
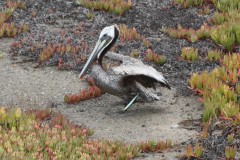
[[133, 67]]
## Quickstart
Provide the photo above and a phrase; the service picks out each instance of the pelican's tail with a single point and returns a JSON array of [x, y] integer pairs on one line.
[[165, 84], [146, 94]]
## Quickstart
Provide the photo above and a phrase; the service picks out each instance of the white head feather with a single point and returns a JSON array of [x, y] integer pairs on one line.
[[108, 31]]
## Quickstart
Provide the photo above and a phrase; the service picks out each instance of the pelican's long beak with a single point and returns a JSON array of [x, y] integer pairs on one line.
[[92, 57]]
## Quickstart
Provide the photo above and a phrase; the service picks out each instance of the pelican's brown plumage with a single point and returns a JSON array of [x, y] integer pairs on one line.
[[131, 79]]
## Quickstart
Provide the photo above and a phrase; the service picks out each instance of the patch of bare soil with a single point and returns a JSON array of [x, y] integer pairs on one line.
[[65, 22]]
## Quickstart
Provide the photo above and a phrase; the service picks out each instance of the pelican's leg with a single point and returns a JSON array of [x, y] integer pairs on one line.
[[131, 102]]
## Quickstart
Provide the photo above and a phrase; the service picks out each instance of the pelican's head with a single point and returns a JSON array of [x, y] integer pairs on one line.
[[106, 40]]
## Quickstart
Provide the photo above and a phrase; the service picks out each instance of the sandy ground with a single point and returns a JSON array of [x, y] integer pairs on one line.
[[25, 86]]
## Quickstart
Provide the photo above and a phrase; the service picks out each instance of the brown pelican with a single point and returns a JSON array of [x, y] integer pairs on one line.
[[130, 80]]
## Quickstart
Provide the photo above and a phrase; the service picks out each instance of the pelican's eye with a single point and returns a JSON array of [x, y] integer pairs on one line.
[[104, 37]]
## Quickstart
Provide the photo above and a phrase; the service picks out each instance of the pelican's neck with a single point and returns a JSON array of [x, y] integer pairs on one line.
[[99, 75]]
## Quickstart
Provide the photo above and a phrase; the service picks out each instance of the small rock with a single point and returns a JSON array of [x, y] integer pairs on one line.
[[80, 110], [174, 126]]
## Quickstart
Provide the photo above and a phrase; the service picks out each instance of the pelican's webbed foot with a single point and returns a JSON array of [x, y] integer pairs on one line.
[[131, 102]]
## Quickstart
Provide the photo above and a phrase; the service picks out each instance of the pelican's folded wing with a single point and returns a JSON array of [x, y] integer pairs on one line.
[[125, 59], [134, 67]]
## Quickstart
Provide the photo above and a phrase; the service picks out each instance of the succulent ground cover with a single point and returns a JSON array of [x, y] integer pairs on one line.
[[219, 88], [8, 28], [222, 28], [201, 51], [115, 6], [44, 134]]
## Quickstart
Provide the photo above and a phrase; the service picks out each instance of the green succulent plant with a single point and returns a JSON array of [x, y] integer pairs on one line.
[[114, 6], [230, 152], [189, 53], [214, 55], [219, 98]]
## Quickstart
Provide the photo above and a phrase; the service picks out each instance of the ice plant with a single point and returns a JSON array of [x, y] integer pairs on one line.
[[114, 6], [155, 146], [193, 38], [59, 49], [195, 152], [218, 18], [2, 115], [227, 40], [92, 92], [214, 55], [189, 151], [19, 4], [230, 138], [24, 28], [205, 133], [219, 88], [237, 32], [46, 53], [198, 150], [231, 109], [205, 10], [44, 134], [189, 34], [150, 55], [237, 88], [147, 43], [9, 29], [89, 15], [189, 54], [135, 53], [225, 28], [188, 3], [128, 34], [230, 152]]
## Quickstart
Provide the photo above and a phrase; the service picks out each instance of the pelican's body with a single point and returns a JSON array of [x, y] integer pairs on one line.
[[130, 80]]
